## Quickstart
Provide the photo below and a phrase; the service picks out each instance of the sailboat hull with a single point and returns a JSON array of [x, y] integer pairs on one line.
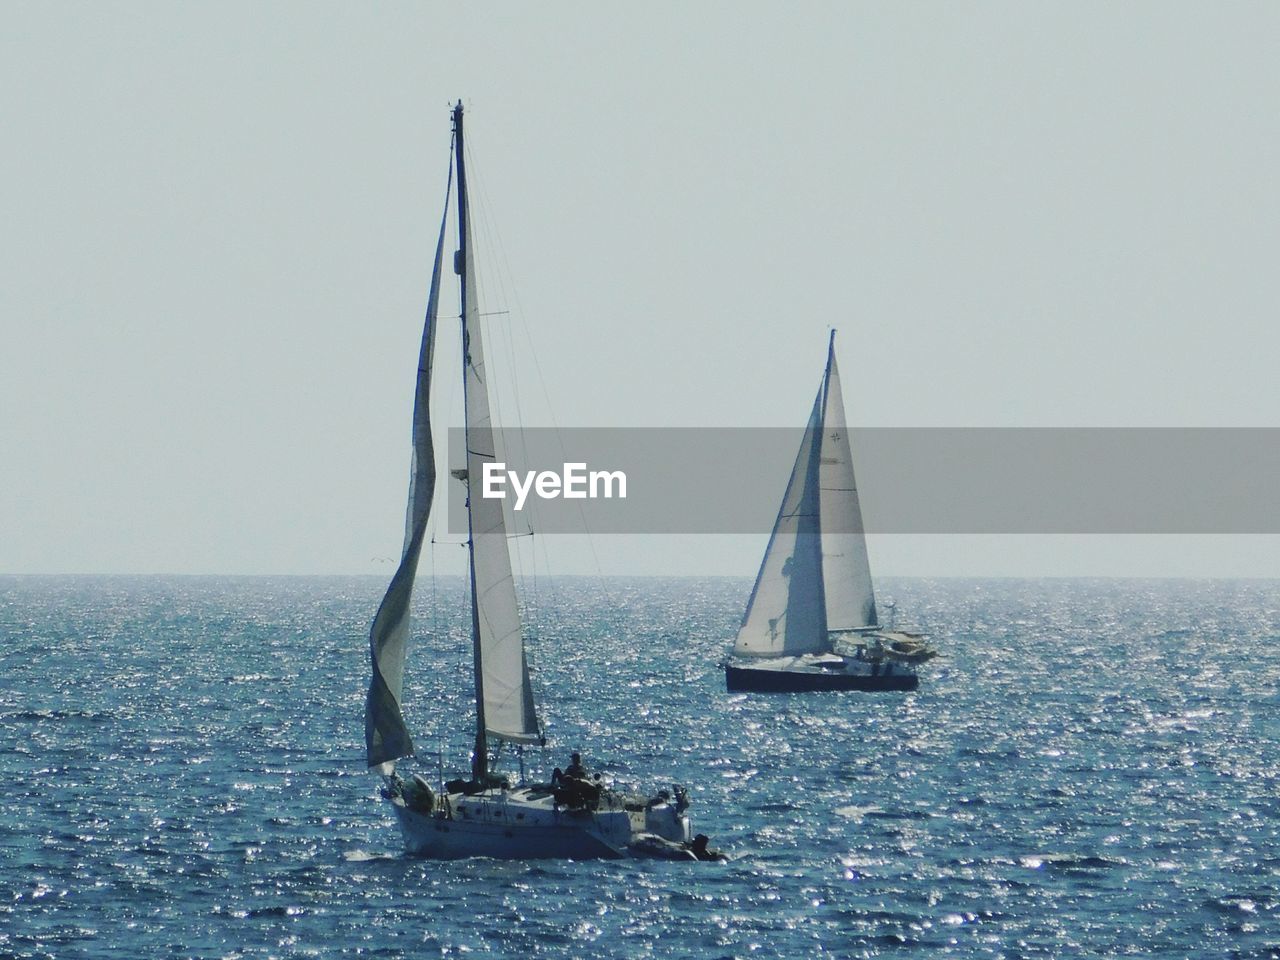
[[764, 679], [524, 824], [438, 838]]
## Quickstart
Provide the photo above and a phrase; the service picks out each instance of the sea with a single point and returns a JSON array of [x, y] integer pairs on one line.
[[1090, 768]]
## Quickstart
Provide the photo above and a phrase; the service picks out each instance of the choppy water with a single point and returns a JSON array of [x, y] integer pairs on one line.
[[1093, 769]]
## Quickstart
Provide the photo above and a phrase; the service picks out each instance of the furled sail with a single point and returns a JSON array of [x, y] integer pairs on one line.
[[786, 614], [504, 695], [386, 736], [846, 571]]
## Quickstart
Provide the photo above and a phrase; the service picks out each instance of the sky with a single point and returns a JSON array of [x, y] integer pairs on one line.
[[216, 224]]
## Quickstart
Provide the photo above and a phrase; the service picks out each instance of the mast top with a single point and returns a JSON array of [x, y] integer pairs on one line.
[[457, 116], [831, 358]]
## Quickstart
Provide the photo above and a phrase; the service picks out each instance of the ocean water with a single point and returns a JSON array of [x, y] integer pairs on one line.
[[1092, 768]]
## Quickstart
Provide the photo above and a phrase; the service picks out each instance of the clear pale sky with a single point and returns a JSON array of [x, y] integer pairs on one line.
[[216, 220]]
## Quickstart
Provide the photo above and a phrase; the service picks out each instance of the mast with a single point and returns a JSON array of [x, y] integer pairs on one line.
[[504, 695], [463, 266]]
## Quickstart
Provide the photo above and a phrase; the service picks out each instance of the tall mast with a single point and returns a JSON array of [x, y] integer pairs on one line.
[[463, 266]]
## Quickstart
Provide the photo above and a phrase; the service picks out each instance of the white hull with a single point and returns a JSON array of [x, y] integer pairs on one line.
[[526, 824]]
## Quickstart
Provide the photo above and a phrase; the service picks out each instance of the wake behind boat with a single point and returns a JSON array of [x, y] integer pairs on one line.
[[486, 815], [811, 622]]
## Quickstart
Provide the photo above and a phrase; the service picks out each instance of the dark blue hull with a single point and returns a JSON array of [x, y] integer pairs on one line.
[[757, 680]]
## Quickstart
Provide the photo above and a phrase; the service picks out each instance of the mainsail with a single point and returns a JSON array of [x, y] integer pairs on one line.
[[786, 614], [386, 736], [846, 571], [504, 695]]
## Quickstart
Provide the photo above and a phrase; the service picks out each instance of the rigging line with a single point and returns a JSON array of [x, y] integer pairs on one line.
[[528, 568], [481, 222], [555, 425], [509, 293], [520, 316], [502, 348], [463, 543], [505, 345]]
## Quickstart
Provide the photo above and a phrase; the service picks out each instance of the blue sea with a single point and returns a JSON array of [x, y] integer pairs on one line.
[[1091, 768]]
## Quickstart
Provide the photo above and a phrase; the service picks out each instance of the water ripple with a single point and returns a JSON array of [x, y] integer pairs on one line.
[[1091, 767]]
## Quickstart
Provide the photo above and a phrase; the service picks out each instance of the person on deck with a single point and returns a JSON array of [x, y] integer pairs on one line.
[[573, 788]]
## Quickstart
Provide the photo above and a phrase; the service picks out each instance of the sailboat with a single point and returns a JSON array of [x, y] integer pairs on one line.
[[485, 813], [811, 622]]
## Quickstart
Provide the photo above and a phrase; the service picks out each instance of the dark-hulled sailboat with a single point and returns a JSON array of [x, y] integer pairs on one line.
[[811, 622]]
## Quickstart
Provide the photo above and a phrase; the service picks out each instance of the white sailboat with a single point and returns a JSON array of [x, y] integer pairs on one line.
[[811, 622], [485, 814]]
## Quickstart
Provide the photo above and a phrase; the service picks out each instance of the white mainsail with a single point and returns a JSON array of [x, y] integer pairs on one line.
[[504, 695], [846, 571], [387, 738], [786, 615]]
